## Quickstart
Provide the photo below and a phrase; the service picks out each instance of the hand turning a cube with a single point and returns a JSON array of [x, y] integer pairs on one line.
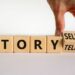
[[59, 8]]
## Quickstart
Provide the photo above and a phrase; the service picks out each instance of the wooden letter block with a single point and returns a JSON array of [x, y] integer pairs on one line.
[[54, 44], [6, 44], [21, 44], [69, 47], [38, 44], [69, 36], [69, 41]]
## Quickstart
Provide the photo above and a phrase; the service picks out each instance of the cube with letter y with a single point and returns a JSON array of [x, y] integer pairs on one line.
[[54, 44]]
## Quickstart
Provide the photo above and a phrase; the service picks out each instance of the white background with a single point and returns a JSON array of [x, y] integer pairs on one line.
[[33, 17]]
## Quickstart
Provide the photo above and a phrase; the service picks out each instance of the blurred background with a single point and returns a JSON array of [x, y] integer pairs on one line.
[[30, 17], [33, 17]]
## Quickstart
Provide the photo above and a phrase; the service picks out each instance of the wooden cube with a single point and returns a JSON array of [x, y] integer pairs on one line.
[[69, 41], [21, 44], [6, 44], [69, 47], [69, 36], [38, 44], [54, 44]]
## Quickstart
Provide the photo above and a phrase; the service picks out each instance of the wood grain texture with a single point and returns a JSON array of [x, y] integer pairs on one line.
[[54, 44], [6, 44], [38, 44], [21, 44]]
